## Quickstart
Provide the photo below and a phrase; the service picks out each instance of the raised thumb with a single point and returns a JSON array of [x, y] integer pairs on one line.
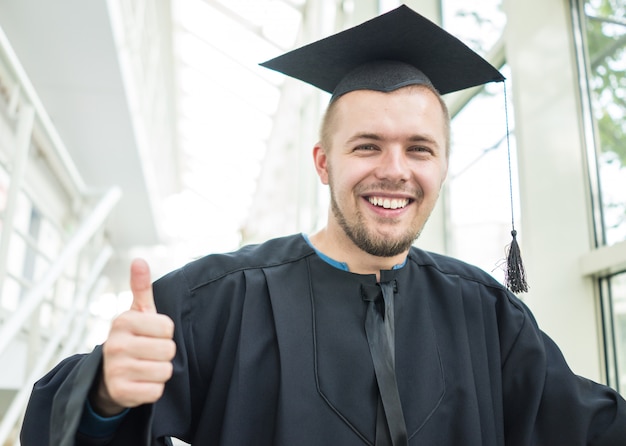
[[141, 287]]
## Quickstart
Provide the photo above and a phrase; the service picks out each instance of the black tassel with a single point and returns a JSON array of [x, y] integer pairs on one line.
[[515, 275]]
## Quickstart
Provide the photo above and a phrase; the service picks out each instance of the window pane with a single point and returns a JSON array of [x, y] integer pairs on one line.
[[606, 51], [478, 23]]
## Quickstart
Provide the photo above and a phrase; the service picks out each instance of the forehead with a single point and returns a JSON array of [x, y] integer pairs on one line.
[[412, 106]]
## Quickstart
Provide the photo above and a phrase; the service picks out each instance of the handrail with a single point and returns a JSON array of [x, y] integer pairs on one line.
[[18, 403], [43, 117], [34, 297]]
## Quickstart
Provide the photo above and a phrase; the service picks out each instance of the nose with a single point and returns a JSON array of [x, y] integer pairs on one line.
[[394, 165]]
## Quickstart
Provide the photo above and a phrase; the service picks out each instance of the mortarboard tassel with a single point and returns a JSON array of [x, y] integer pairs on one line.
[[514, 275]]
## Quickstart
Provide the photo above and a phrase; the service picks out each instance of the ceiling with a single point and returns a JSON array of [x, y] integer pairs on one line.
[[67, 50]]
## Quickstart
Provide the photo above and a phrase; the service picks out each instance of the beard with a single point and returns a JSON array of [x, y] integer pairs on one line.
[[366, 240]]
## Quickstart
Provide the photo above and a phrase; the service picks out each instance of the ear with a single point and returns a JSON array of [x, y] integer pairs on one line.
[[321, 162]]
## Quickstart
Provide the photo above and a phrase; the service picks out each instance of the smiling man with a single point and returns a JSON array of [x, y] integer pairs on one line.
[[351, 336]]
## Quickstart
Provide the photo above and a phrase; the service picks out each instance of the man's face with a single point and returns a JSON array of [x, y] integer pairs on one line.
[[385, 166]]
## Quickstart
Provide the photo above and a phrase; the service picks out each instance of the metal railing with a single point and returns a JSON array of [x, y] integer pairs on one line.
[[45, 290]]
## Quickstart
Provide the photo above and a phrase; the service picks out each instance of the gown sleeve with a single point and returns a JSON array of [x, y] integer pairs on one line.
[[545, 403], [56, 405]]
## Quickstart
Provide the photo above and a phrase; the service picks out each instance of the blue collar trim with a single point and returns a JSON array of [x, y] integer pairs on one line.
[[339, 265]]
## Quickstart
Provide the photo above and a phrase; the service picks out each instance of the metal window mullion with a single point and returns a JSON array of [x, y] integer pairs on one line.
[[606, 297]]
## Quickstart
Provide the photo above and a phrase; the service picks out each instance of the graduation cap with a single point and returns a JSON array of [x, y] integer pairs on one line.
[[391, 51], [388, 52]]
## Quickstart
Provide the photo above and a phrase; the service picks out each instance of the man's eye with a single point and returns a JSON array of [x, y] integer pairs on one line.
[[421, 149], [366, 147]]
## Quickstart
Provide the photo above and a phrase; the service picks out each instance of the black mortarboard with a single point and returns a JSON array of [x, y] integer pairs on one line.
[[393, 50]]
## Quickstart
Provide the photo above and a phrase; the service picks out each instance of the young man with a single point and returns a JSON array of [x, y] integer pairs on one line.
[[350, 336]]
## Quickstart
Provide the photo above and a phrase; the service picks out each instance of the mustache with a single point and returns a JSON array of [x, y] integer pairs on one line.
[[393, 187]]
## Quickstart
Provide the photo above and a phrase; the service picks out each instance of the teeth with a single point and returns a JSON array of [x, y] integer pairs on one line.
[[389, 203]]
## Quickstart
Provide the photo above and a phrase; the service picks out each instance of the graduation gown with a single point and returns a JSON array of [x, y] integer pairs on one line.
[[272, 350]]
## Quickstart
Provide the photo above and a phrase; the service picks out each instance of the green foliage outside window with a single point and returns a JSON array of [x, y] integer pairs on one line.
[[606, 49]]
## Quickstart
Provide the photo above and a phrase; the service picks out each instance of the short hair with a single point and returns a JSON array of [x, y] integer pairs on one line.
[[327, 120]]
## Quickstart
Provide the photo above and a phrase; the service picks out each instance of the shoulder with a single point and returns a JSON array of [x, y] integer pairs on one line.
[[479, 292], [469, 278], [448, 266], [269, 254]]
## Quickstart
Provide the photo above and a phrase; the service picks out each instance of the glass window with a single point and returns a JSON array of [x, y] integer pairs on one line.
[[605, 37]]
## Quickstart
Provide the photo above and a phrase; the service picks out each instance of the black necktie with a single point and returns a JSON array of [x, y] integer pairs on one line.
[[379, 328]]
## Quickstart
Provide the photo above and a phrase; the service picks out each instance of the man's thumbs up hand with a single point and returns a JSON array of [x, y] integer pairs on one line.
[[138, 352]]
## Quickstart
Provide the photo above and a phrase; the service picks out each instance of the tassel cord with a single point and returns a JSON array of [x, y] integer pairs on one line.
[[515, 274]]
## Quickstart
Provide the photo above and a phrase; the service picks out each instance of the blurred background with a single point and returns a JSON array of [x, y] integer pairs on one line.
[[146, 128]]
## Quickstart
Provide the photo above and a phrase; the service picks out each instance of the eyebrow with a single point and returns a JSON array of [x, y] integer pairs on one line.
[[374, 136], [377, 137]]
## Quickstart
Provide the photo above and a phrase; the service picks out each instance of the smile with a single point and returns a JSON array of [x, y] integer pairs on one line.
[[389, 203]]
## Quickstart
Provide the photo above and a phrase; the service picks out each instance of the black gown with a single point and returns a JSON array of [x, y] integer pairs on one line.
[[272, 350]]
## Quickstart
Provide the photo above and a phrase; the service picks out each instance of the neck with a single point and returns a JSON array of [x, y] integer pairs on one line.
[[339, 247]]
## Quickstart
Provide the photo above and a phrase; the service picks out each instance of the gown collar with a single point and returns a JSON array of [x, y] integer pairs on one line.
[[337, 264]]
